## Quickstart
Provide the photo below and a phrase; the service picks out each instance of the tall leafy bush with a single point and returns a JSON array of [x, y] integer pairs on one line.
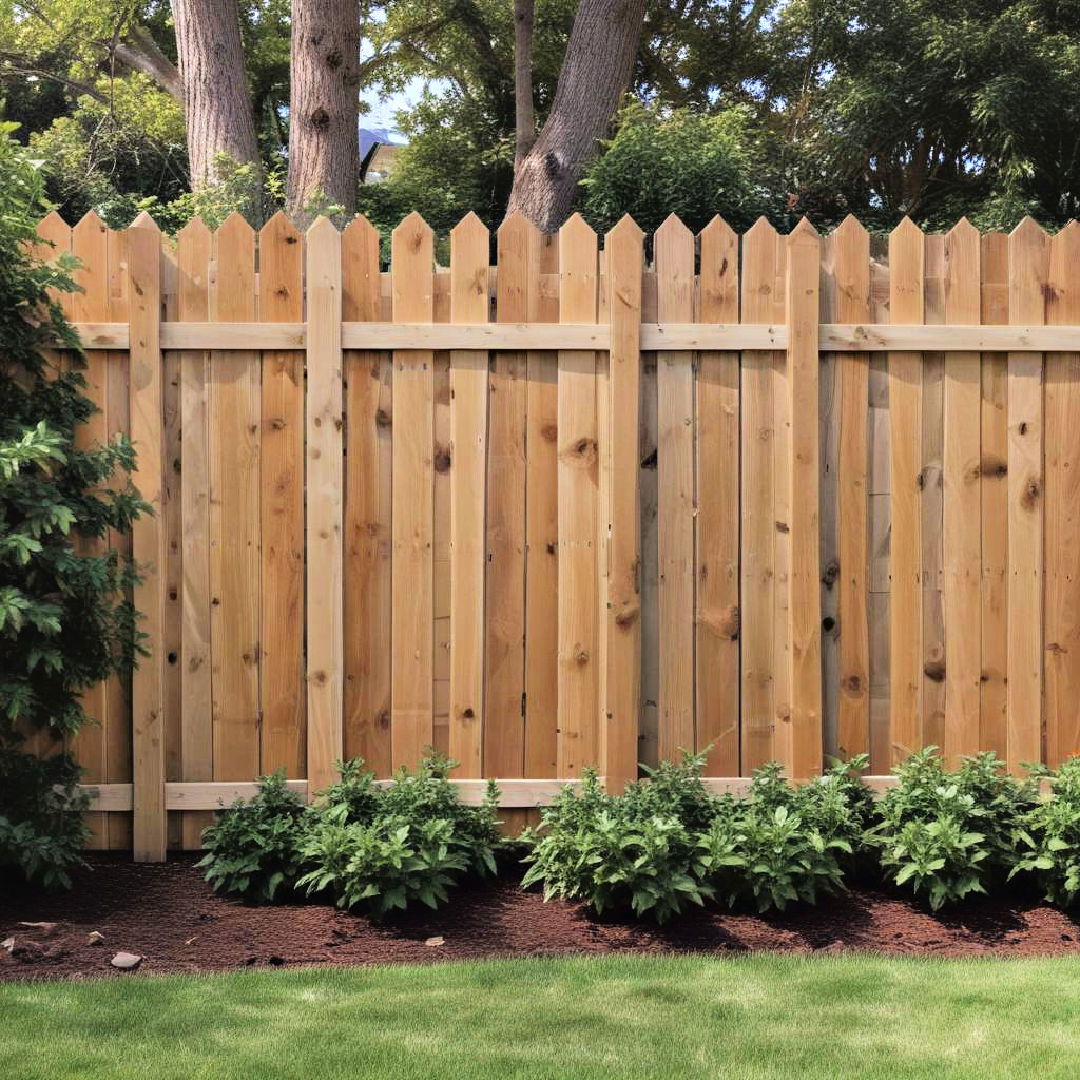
[[64, 621]]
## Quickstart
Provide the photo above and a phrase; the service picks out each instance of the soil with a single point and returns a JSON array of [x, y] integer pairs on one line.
[[167, 915]]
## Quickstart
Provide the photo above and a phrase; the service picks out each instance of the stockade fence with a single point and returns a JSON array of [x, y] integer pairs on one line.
[[775, 496]]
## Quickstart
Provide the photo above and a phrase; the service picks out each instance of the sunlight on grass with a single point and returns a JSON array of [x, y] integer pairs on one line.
[[616, 1017]]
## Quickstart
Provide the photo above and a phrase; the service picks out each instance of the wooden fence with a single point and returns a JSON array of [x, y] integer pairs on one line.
[[776, 496]]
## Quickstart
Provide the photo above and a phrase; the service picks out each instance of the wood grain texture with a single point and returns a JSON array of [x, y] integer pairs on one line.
[[468, 454], [193, 254], [716, 523], [1028, 256], [368, 413], [579, 679], [412, 704], [235, 450], [962, 543], [673, 253], [324, 448], [803, 260], [148, 542], [1062, 554], [906, 299], [618, 748], [283, 734]]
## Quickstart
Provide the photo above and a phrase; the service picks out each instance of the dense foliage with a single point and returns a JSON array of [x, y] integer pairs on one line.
[[876, 107], [65, 623], [948, 834], [1049, 839], [363, 845]]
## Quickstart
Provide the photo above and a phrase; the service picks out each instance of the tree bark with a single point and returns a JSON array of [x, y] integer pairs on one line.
[[217, 104], [324, 111], [140, 53], [525, 121], [595, 74]]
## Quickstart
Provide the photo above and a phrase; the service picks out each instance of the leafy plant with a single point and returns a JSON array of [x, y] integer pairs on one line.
[[633, 850], [1050, 835], [381, 848], [946, 833], [783, 844], [65, 620], [253, 848]]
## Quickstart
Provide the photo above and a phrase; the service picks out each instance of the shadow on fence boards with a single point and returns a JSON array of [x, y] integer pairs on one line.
[[776, 496]]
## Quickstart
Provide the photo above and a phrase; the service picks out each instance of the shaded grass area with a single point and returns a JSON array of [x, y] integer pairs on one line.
[[612, 1017]]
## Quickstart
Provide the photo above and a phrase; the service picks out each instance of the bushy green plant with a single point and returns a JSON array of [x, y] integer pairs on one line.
[[65, 623], [784, 843], [383, 847], [947, 833], [631, 851], [1049, 838], [253, 848]]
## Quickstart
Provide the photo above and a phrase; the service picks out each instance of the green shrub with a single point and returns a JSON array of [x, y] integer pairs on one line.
[[948, 833], [1049, 838], [632, 851], [253, 848], [783, 843], [65, 622], [382, 847]]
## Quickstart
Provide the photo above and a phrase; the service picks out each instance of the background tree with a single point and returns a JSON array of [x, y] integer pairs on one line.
[[217, 105], [324, 109], [595, 75], [64, 622]]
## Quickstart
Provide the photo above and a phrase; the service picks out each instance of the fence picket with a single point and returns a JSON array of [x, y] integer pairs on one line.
[[1028, 250], [717, 519], [412, 704], [906, 299], [468, 440]]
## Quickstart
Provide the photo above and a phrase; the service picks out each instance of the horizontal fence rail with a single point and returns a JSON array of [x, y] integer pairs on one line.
[[769, 497]]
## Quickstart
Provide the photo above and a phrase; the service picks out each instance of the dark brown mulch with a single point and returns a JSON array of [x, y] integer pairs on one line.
[[166, 914]]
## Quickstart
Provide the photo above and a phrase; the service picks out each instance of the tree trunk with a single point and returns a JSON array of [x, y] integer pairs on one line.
[[595, 74], [324, 110], [525, 121], [217, 104]]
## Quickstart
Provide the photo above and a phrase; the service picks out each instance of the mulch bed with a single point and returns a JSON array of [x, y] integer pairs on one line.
[[166, 914]]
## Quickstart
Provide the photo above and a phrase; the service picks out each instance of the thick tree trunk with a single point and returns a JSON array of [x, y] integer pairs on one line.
[[595, 74], [524, 12], [217, 104], [324, 111]]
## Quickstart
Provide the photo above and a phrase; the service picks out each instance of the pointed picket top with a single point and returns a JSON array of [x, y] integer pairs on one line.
[[849, 227], [145, 221], [672, 231], [628, 229], [518, 226], [359, 226], [1028, 268], [962, 249], [469, 241], [235, 226], [88, 223], [577, 229], [673, 256], [805, 228], [1028, 226], [1063, 288], [53, 228], [718, 231], [804, 235], [195, 228], [279, 228], [762, 227], [412, 234]]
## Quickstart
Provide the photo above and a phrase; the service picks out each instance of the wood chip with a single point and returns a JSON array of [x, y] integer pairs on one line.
[[95, 937], [45, 929], [434, 941]]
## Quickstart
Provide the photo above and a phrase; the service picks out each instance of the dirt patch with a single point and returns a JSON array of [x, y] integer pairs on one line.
[[166, 915]]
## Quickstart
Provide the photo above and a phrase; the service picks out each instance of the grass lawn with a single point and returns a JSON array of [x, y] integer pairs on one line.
[[618, 1017]]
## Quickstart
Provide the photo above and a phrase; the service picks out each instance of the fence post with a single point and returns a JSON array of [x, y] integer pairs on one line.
[[623, 625], [148, 548], [804, 260], [324, 453]]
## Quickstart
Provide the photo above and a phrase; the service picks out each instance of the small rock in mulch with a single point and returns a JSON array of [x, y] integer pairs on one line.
[[9, 943], [44, 929], [433, 942], [126, 961], [95, 937]]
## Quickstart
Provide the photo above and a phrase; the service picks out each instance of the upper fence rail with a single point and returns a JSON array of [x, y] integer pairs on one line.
[[769, 496]]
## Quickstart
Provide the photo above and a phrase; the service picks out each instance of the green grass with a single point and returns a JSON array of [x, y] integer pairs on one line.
[[617, 1017]]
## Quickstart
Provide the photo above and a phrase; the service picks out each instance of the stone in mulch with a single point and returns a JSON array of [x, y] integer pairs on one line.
[[126, 961]]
